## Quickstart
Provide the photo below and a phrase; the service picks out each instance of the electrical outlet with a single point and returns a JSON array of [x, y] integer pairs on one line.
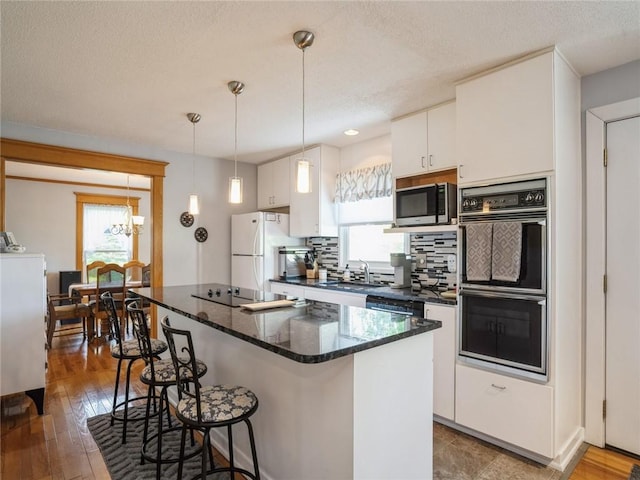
[[451, 263], [421, 260]]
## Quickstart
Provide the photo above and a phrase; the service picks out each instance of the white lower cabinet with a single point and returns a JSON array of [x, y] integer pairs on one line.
[[515, 411], [444, 359], [287, 289], [332, 296]]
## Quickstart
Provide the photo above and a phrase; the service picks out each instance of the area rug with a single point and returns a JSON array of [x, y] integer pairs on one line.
[[635, 473], [123, 461]]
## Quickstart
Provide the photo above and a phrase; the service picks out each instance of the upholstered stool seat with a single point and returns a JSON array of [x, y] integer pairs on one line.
[[130, 349], [223, 403]]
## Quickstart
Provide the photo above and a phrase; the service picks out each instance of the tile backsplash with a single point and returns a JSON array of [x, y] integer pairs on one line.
[[436, 246]]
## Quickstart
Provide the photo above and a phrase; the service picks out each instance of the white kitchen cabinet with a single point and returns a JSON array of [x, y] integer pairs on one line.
[[273, 184], [22, 325], [515, 411], [444, 359], [287, 289], [333, 296], [313, 214], [505, 121], [424, 142]]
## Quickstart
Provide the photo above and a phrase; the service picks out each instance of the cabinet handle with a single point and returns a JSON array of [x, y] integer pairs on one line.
[[422, 162], [498, 386], [460, 171], [431, 160]]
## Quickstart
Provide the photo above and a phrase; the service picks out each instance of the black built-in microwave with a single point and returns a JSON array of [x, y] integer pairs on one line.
[[432, 204]]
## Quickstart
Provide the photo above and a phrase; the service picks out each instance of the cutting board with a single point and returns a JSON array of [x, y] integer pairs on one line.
[[267, 305], [451, 294]]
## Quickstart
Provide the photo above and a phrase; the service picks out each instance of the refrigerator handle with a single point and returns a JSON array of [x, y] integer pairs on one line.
[[255, 271], [255, 238]]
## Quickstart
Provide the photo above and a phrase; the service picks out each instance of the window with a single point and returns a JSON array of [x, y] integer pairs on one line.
[[95, 214], [371, 244]]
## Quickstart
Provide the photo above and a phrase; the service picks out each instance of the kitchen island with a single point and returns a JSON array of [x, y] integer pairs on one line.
[[344, 392]]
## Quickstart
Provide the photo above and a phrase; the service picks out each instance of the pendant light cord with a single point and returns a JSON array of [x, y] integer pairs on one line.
[[235, 145], [193, 163], [303, 82]]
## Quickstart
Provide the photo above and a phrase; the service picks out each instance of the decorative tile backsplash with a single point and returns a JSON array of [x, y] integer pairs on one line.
[[436, 246]]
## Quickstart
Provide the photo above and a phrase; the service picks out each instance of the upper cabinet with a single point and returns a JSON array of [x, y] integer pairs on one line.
[[314, 214], [505, 121], [273, 184], [425, 141]]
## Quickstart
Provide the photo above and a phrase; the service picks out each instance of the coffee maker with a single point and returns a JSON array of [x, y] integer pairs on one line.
[[401, 263]]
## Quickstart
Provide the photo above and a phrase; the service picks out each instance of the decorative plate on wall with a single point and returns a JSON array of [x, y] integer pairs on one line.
[[201, 234], [186, 219]]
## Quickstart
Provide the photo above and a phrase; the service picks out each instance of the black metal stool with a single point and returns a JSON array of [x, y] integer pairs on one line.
[[128, 351], [209, 407], [158, 374]]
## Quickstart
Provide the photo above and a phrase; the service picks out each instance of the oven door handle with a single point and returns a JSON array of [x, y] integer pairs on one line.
[[515, 296]]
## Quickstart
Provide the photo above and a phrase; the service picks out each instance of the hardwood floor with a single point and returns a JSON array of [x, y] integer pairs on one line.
[[57, 445]]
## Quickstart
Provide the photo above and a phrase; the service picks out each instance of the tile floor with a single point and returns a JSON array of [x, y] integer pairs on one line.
[[458, 456]]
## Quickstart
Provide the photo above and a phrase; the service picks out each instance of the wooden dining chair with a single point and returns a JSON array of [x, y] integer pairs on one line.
[[61, 306], [146, 275], [112, 278], [92, 270], [133, 270]]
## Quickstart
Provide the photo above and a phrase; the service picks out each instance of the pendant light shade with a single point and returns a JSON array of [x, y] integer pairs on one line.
[[303, 40], [194, 208], [235, 182]]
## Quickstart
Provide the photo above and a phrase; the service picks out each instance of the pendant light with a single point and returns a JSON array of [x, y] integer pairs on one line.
[[194, 208], [235, 182], [303, 39]]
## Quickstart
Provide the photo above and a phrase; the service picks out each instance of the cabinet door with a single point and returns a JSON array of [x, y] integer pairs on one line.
[[444, 359], [441, 128], [340, 298], [513, 410], [280, 182], [409, 145], [265, 185], [505, 122], [287, 289]]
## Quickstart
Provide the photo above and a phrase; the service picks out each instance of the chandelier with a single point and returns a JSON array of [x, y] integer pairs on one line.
[[131, 224]]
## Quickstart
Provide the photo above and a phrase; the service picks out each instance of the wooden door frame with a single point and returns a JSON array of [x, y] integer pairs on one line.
[[595, 261], [37, 153]]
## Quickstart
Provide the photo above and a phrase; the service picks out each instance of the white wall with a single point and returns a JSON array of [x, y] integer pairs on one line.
[[366, 153], [39, 215]]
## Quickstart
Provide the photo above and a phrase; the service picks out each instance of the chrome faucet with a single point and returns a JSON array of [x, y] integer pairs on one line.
[[365, 267]]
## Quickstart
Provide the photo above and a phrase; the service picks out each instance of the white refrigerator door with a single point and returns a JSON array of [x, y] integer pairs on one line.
[[247, 234], [247, 272]]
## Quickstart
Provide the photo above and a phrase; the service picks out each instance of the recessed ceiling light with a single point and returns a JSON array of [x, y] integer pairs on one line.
[[351, 132]]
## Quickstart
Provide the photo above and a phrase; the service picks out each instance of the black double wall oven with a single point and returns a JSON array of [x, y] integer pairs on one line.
[[503, 278]]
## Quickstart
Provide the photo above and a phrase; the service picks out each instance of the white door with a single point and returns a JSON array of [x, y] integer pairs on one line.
[[623, 285], [247, 271], [246, 233]]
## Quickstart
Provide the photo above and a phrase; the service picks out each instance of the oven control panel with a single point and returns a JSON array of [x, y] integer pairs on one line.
[[485, 200]]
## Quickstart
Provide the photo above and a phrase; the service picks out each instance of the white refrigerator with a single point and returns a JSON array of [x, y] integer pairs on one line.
[[255, 239]]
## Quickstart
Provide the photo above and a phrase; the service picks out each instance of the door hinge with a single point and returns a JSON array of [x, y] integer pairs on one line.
[[604, 409], [604, 157], [604, 283]]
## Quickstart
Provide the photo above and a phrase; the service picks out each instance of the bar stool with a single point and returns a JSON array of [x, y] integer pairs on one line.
[[209, 406], [128, 351], [158, 374]]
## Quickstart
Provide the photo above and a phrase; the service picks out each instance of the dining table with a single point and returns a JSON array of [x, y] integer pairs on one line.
[[89, 292]]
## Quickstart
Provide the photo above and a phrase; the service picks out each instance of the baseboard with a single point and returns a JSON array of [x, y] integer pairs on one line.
[[568, 450]]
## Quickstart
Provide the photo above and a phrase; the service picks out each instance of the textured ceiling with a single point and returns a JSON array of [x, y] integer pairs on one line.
[[130, 71]]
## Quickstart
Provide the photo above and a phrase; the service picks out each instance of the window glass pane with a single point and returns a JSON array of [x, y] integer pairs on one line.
[[370, 243], [99, 242]]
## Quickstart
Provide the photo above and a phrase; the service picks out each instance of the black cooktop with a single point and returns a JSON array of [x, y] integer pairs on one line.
[[232, 296]]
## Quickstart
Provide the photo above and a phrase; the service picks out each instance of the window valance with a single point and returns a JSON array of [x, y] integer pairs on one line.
[[364, 184]]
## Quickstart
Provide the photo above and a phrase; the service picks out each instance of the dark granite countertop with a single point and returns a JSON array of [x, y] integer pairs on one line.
[[315, 332], [428, 296]]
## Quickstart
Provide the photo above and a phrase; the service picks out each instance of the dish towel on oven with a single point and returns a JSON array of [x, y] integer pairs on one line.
[[479, 252], [507, 251]]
